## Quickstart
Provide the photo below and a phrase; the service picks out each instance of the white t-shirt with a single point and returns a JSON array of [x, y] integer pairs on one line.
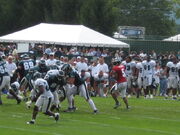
[[103, 67], [50, 62], [94, 70], [81, 66], [10, 68], [86, 75], [102, 78]]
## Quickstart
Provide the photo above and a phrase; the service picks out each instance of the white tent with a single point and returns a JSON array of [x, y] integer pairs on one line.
[[77, 35], [175, 38]]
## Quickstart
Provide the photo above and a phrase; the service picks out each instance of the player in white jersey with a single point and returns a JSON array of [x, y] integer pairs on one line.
[[148, 68], [178, 89], [173, 77], [130, 72], [4, 77], [14, 92], [139, 75], [86, 77], [44, 100]]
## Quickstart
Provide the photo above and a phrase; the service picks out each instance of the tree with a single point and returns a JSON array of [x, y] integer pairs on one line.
[[177, 8], [10, 14], [154, 15], [66, 11], [99, 15], [102, 15]]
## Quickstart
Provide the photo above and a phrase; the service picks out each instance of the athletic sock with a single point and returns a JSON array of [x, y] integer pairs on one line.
[[92, 104]]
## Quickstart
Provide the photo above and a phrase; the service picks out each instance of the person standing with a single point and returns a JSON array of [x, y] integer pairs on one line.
[[163, 81], [149, 70], [121, 84], [11, 66], [172, 72]]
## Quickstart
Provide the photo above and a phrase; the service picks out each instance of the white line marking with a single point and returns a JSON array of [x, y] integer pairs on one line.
[[34, 131], [131, 128], [17, 116]]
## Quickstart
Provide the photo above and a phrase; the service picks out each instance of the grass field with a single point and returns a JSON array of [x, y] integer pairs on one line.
[[146, 117]]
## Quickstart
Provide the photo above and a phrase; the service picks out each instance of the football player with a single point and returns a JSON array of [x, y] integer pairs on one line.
[[76, 85], [44, 100], [22, 70], [14, 92], [41, 68], [4, 77], [139, 75], [55, 80], [172, 72], [86, 77], [34, 91], [149, 70], [121, 84], [130, 72]]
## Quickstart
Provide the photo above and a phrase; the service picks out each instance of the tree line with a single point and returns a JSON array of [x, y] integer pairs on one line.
[[102, 15]]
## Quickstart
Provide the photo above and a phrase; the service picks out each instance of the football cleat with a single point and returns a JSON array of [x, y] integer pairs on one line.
[[146, 96], [31, 122], [1, 102], [165, 96], [128, 107], [56, 117], [69, 110], [28, 104], [74, 108], [151, 96], [18, 101], [95, 111], [117, 105], [174, 98]]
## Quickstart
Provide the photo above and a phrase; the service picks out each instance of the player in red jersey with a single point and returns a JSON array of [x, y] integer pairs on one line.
[[121, 83]]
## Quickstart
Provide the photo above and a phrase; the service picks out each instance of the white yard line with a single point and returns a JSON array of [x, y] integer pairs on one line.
[[149, 130], [149, 117], [127, 127], [33, 130]]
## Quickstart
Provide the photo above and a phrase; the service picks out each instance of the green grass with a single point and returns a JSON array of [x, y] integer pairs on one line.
[[146, 117]]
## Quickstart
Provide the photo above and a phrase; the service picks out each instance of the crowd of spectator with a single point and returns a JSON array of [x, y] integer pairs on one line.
[[90, 56]]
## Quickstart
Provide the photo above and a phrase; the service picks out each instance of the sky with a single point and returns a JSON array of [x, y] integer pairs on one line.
[[178, 21]]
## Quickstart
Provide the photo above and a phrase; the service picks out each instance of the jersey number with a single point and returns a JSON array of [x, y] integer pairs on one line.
[[28, 65], [147, 67], [128, 68], [2, 69]]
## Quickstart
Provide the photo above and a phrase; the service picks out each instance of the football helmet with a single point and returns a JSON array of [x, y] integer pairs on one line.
[[66, 68], [116, 61], [37, 75]]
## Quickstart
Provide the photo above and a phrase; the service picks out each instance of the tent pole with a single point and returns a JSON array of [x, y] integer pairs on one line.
[[129, 50]]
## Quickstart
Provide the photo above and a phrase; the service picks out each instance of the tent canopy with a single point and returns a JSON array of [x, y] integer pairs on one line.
[[60, 34], [173, 38]]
